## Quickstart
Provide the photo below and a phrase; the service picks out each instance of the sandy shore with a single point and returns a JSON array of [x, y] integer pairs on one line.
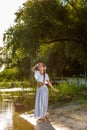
[[70, 116]]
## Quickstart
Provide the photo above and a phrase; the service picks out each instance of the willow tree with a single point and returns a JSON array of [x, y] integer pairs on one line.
[[51, 28]]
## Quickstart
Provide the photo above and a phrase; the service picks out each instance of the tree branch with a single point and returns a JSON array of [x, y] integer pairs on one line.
[[66, 39], [72, 6], [55, 40]]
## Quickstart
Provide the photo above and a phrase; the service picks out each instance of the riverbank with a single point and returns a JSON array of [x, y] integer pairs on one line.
[[68, 116], [20, 123]]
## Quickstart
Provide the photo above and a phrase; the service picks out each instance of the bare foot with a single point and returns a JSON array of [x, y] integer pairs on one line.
[[41, 120], [47, 118]]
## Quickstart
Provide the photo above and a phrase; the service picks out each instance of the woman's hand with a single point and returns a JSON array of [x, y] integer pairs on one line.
[[35, 67], [55, 90], [52, 87]]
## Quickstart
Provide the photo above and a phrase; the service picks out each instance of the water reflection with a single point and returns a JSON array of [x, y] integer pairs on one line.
[[9, 120], [6, 115]]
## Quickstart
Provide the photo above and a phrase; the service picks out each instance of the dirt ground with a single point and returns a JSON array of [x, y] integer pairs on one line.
[[70, 116], [67, 116]]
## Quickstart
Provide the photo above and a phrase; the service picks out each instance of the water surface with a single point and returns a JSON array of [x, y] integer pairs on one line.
[[6, 115], [9, 119]]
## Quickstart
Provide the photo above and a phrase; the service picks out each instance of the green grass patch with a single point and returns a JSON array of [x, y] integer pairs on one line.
[[69, 92]]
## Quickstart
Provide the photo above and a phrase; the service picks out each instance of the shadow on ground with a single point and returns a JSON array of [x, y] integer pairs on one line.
[[44, 126]]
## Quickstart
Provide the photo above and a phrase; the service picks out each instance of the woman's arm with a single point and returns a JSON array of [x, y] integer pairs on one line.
[[54, 89], [34, 67]]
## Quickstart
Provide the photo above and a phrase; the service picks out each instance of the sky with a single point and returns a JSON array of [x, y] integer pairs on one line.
[[7, 16]]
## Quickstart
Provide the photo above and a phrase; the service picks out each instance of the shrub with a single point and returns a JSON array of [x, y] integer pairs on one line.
[[9, 74], [68, 92]]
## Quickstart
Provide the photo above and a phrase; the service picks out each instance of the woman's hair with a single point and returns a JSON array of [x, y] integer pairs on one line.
[[44, 66], [44, 71]]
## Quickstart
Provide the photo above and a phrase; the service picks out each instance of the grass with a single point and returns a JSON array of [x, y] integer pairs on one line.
[[22, 84], [68, 92]]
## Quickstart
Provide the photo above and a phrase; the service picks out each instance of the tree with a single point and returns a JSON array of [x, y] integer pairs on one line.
[[47, 29]]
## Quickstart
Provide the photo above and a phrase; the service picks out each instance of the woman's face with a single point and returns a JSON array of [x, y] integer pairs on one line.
[[40, 67]]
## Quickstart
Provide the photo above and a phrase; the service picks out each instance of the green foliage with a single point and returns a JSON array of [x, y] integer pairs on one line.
[[52, 31], [69, 92], [16, 84], [4, 84], [69, 89], [9, 74]]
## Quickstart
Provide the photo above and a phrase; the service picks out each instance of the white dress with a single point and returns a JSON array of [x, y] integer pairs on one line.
[[41, 103]]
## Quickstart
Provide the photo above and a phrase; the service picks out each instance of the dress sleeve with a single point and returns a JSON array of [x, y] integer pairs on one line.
[[36, 74], [47, 77]]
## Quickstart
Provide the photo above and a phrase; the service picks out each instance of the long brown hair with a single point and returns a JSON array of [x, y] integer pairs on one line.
[[44, 71]]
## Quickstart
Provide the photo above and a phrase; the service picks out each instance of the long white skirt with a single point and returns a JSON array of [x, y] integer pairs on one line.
[[41, 103]]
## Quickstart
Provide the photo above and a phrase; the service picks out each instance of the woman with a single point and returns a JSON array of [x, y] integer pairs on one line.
[[41, 103]]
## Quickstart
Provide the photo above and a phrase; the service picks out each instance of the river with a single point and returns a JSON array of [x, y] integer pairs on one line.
[[9, 119], [6, 115]]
